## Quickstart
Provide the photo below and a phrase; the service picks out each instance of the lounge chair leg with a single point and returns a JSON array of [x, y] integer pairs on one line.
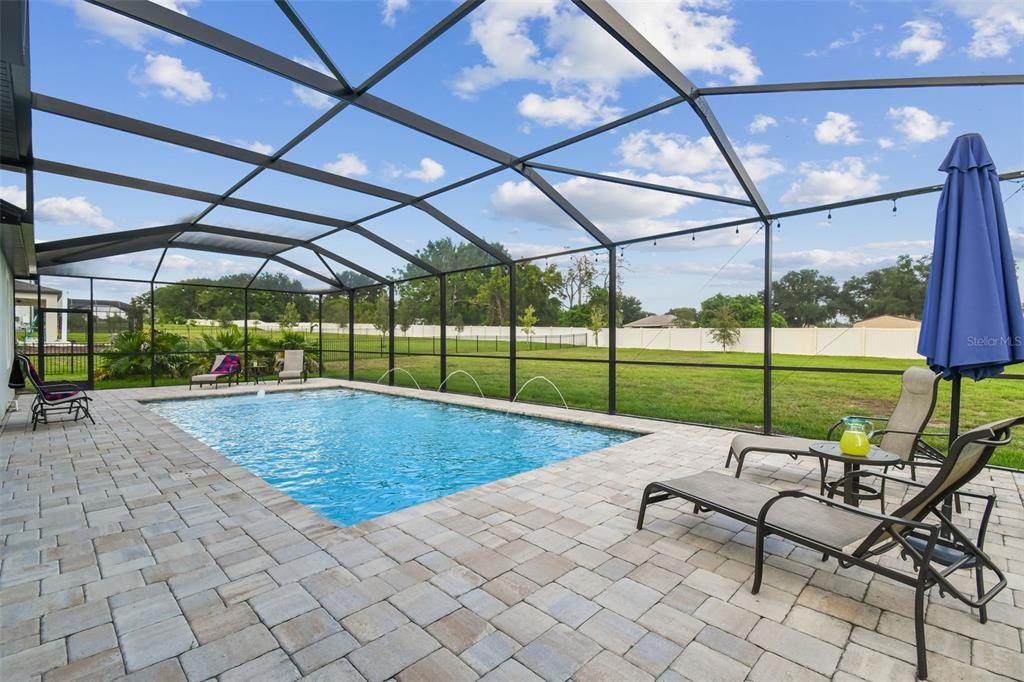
[[728, 458], [758, 561], [643, 505], [919, 597], [740, 456], [980, 583], [822, 473]]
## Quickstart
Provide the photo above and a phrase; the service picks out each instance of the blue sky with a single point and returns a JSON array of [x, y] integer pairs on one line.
[[521, 76]]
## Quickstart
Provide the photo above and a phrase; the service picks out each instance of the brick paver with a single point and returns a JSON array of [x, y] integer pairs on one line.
[[132, 551]]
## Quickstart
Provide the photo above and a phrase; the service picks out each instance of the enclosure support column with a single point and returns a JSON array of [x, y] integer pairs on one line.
[[391, 334], [90, 338], [444, 328], [245, 331], [152, 334], [320, 331], [767, 359], [351, 334], [512, 331], [40, 328], [612, 323]]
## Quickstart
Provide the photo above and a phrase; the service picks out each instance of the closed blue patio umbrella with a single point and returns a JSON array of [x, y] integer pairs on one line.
[[972, 325]]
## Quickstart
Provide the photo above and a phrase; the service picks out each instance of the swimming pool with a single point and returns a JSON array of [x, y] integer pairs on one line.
[[353, 455]]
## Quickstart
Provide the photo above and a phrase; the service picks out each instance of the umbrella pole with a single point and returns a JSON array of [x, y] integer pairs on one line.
[[954, 431]]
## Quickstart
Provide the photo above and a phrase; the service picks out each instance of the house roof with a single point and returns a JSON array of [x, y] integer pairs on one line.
[[889, 322], [653, 321]]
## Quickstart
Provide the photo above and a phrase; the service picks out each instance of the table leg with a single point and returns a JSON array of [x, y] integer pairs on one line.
[[851, 488]]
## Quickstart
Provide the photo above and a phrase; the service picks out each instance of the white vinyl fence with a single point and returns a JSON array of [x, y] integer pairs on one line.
[[845, 341]]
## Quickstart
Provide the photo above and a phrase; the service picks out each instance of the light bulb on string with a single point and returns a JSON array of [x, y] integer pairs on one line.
[[655, 242], [894, 207], [830, 216], [737, 229], [693, 237], [778, 225]]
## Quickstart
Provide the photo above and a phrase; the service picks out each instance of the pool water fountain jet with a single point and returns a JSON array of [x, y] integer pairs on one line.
[[400, 369], [261, 393], [471, 378], [539, 378]]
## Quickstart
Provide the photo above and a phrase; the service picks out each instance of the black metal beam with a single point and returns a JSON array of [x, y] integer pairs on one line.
[[556, 197], [634, 41], [469, 236], [307, 35], [639, 183], [866, 84], [16, 151]]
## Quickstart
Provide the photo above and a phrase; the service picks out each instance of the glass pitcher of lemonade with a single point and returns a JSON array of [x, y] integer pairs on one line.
[[854, 440]]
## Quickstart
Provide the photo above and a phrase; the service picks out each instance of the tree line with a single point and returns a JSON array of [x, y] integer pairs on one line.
[[574, 295]]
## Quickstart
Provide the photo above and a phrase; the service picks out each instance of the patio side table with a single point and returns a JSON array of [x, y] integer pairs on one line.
[[254, 371], [852, 489]]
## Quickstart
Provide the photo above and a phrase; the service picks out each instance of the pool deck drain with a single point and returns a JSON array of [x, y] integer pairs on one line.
[[130, 548]]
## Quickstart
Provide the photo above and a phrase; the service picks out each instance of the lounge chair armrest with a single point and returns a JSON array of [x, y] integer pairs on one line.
[[878, 432], [863, 473], [860, 511], [51, 385]]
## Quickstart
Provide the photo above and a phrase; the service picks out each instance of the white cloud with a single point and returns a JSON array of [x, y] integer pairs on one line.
[[428, 171], [832, 261], [841, 180], [917, 125], [312, 98], [72, 211], [855, 37], [347, 164], [886, 143], [13, 194], [126, 31], [571, 111], [761, 123], [390, 9], [176, 82], [676, 154], [837, 128], [998, 26], [256, 146], [926, 41], [551, 43]]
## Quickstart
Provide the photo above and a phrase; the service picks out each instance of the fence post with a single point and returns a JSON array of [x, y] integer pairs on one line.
[[767, 359], [444, 330]]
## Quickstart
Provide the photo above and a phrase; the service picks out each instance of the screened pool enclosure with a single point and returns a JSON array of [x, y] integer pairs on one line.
[[461, 284]]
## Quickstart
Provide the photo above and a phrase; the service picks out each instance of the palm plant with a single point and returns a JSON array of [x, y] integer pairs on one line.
[[131, 353]]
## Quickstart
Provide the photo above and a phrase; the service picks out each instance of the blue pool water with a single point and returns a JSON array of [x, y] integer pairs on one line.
[[353, 455]]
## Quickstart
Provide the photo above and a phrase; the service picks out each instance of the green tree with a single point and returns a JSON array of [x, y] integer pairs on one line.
[[224, 317], [598, 321], [806, 298], [632, 309], [528, 320], [747, 309], [725, 328], [895, 290], [290, 317], [685, 317]]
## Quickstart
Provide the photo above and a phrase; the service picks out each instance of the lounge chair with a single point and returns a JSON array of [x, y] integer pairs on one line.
[[901, 435], [54, 396], [830, 527], [224, 366], [293, 366]]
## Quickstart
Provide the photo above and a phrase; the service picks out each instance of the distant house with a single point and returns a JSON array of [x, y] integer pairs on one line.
[[653, 322], [889, 322]]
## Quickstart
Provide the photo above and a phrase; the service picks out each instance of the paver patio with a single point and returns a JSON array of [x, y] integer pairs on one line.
[[132, 549]]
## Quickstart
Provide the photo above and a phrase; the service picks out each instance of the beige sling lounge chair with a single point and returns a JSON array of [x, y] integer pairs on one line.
[[901, 435], [856, 536], [293, 366], [219, 370]]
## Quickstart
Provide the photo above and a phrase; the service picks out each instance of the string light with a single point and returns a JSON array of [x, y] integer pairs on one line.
[[894, 207], [693, 237], [830, 216], [778, 225], [655, 242], [737, 229]]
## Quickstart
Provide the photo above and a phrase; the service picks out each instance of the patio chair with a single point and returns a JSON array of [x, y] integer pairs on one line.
[[54, 396], [293, 366], [830, 527], [224, 366], [901, 435]]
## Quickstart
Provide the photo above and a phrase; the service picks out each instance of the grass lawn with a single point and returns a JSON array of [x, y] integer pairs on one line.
[[803, 403]]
